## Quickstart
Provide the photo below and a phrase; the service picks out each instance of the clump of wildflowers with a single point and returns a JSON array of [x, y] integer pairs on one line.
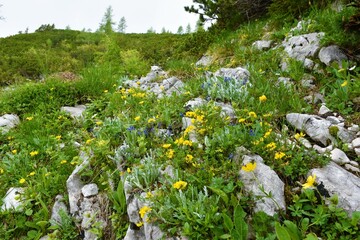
[[180, 185]]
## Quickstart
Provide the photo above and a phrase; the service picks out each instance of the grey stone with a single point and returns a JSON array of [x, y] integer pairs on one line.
[[339, 157], [306, 143], [338, 181], [90, 190], [315, 98], [239, 74], [344, 135], [13, 200], [226, 109], [315, 127], [285, 81], [8, 121], [323, 150], [333, 120], [303, 46], [324, 110], [133, 208], [205, 60], [59, 206], [75, 112], [354, 128], [351, 168], [308, 82], [357, 151], [331, 54], [152, 231], [195, 103], [356, 143], [134, 234], [263, 177], [168, 171], [309, 64], [262, 45]]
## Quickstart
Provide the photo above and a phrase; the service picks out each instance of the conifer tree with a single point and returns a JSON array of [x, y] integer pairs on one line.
[[107, 22], [122, 25]]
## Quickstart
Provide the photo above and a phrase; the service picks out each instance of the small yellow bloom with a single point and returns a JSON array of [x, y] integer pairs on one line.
[[63, 162], [166, 146], [144, 210], [279, 155], [190, 114], [22, 181], [128, 170], [89, 141], [299, 135], [179, 141], [162, 88], [151, 120], [271, 146], [262, 98], [189, 158], [141, 103], [170, 153], [267, 134], [138, 82], [105, 91], [309, 182], [249, 167], [139, 224], [241, 120], [58, 137], [29, 118], [47, 174], [137, 118], [344, 84], [187, 143], [149, 195], [99, 123], [180, 185], [32, 174], [34, 153], [1, 171], [14, 151], [189, 129], [202, 131], [252, 115]]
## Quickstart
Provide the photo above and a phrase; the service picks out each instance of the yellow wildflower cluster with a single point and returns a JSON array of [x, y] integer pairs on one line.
[[252, 115], [1, 171], [279, 155], [144, 210], [267, 134], [189, 158], [344, 84], [170, 153], [29, 118], [189, 129], [257, 142], [58, 137], [299, 135], [262, 98], [249, 167], [182, 141], [271, 146], [309, 182], [166, 146], [34, 153], [180, 185], [137, 118], [151, 120]]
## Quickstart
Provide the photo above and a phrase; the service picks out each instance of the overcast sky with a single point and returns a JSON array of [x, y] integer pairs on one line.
[[140, 15]]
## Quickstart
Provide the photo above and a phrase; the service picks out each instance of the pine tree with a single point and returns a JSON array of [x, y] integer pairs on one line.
[[188, 28], [180, 30], [122, 25], [107, 23]]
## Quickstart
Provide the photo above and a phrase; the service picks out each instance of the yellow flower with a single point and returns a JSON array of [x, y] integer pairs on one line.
[[89, 141], [187, 143], [249, 167], [14, 151], [279, 155], [189, 158], [166, 146], [299, 135], [22, 181], [29, 118], [309, 182], [179, 141], [262, 98], [128, 170], [271, 146], [267, 115], [1, 171], [139, 224], [144, 210], [202, 131], [99, 123], [189, 129], [138, 82], [141, 103], [47, 174], [32, 174], [149, 195], [170, 153], [34, 153], [162, 88], [345, 83], [180, 185], [105, 91], [63, 162], [267, 134], [252, 114], [241, 120], [151, 120], [190, 114], [137, 118], [58, 137]]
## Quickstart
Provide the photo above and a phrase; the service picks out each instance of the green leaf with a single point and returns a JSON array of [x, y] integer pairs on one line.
[[292, 230], [281, 232], [355, 218], [28, 212], [221, 193], [240, 225], [225, 236], [311, 236], [304, 224], [228, 222]]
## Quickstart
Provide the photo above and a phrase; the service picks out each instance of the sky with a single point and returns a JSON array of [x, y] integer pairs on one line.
[[140, 15]]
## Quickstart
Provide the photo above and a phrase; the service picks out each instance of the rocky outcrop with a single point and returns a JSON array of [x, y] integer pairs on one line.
[[75, 112], [7, 122], [331, 54]]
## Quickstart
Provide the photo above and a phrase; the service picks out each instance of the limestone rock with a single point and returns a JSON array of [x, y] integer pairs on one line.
[[303, 46], [315, 98], [205, 60], [90, 190], [315, 127], [75, 112], [8, 121], [324, 110], [226, 109], [59, 206], [269, 180], [345, 185], [339, 157], [194, 103], [331, 54], [356, 143], [262, 45], [239, 74], [12, 199]]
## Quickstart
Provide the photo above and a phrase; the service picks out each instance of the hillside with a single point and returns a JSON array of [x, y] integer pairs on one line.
[[246, 134]]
